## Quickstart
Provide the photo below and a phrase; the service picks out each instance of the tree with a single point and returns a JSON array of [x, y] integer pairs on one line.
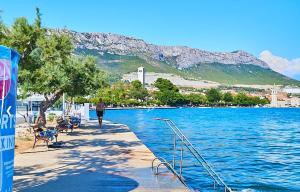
[[137, 91], [122, 93], [195, 99], [241, 99], [213, 96], [165, 84], [264, 101], [24, 37], [168, 93], [227, 97], [169, 97], [80, 100], [3, 31], [136, 84], [115, 94], [244, 100], [47, 66]]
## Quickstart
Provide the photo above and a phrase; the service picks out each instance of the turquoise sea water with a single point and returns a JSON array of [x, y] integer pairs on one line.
[[252, 149]]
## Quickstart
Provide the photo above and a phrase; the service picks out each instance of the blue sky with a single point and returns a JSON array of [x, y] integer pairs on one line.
[[214, 25]]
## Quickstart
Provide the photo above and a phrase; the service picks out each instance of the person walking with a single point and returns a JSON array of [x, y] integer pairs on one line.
[[100, 108]]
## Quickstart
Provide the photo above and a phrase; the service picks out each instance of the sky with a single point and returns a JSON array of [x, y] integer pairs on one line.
[[269, 29]]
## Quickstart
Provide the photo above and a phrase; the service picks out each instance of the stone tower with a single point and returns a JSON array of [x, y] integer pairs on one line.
[[141, 75], [274, 92]]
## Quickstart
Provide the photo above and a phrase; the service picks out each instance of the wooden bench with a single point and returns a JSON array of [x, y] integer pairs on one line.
[[63, 125], [38, 136]]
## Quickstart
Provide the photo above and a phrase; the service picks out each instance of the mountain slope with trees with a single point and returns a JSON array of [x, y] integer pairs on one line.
[[120, 54]]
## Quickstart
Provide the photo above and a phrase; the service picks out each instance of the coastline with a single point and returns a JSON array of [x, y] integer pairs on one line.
[[201, 107], [137, 107]]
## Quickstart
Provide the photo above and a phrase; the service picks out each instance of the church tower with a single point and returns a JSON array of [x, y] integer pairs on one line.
[[274, 92], [141, 75]]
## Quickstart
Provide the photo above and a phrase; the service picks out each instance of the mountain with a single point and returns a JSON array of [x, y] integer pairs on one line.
[[122, 54]]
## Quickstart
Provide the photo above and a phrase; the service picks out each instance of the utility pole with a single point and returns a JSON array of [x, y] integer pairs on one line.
[[64, 106]]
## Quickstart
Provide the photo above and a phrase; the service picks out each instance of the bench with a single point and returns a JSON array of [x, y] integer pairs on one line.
[[45, 135]]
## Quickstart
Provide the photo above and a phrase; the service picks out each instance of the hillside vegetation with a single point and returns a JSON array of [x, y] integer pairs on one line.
[[126, 63], [239, 74], [222, 73]]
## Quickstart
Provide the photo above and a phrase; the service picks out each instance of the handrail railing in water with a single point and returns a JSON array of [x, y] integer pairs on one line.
[[162, 161], [185, 142]]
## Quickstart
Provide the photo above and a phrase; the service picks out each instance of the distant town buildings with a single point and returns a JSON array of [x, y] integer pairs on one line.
[[285, 97], [291, 90], [295, 101]]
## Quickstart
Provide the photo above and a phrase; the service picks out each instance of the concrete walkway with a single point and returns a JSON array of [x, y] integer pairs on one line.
[[110, 159]]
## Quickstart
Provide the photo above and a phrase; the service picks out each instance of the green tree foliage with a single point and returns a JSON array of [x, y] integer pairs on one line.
[[122, 94], [169, 97], [81, 100], [47, 65], [196, 99], [242, 99], [213, 96], [264, 101], [227, 97], [168, 93], [3, 31], [137, 91], [165, 84], [133, 94]]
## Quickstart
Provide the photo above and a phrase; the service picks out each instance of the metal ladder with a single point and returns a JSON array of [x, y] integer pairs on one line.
[[184, 142]]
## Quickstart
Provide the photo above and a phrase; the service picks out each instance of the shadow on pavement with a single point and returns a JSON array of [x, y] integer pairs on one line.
[[81, 166]]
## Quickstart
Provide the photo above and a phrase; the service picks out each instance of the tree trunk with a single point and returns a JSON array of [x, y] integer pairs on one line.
[[48, 102]]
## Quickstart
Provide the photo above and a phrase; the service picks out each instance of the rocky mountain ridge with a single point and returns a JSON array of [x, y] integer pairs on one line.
[[180, 56]]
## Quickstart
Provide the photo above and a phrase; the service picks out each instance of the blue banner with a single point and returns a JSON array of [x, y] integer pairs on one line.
[[8, 94]]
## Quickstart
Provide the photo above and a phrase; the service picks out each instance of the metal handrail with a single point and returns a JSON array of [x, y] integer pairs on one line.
[[162, 161], [185, 142]]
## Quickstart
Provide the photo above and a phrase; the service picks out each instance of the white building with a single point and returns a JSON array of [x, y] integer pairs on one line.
[[292, 90], [141, 75]]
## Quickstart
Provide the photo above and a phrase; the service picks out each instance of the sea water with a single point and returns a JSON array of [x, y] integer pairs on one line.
[[252, 149]]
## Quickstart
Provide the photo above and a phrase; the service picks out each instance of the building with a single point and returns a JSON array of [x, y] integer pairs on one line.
[[141, 75], [291, 90], [274, 101], [295, 102], [284, 97], [33, 102]]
